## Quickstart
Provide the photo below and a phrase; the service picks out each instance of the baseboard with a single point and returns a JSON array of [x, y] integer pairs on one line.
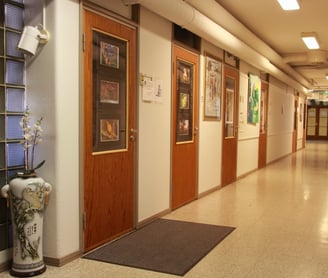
[[207, 192], [5, 266], [247, 173], [62, 261], [152, 218], [278, 159]]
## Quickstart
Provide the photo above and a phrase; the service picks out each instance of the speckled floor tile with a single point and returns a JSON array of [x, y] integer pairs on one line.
[[281, 216]]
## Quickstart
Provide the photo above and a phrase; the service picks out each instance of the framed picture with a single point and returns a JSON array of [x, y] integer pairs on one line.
[[184, 74], [184, 127], [231, 60], [109, 55], [109, 130], [254, 87], [184, 101], [213, 88], [109, 92]]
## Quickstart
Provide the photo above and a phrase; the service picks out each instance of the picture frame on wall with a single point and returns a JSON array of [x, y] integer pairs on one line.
[[231, 60], [254, 88], [213, 88]]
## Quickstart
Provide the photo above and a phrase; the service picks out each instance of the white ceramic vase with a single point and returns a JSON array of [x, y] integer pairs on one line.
[[27, 197]]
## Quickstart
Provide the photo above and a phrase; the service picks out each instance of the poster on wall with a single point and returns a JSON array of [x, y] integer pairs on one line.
[[254, 87], [213, 80]]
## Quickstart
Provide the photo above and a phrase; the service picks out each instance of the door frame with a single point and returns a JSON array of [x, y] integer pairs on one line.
[[229, 170], [295, 124], [317, 122], [263, 135]]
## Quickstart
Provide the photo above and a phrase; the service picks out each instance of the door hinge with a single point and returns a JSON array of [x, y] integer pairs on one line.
[[83, 42], [84, 221]]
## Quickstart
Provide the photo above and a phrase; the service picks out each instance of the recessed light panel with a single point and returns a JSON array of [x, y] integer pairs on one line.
[[289, 5], [310, 40]]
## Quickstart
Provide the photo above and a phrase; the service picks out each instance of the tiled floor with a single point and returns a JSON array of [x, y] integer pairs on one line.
[[281, 215]]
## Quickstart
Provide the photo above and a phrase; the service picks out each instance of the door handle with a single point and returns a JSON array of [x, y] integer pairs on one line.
[[195, 130], [132, 130], [133, 133]]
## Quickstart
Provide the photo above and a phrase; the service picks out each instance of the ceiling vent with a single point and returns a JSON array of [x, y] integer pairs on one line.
[[313, 57], [317, 57]]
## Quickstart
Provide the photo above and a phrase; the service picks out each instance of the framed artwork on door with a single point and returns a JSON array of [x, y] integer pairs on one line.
[[184, 95], [109, 117]]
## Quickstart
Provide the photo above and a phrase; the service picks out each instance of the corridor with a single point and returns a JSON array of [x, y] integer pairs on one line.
[[281, 219]]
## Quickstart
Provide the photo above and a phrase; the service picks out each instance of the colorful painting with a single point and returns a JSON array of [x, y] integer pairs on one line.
[[109, 55], [184, 101], [109, 130], [184, 127], [254, 87], [109, 92]]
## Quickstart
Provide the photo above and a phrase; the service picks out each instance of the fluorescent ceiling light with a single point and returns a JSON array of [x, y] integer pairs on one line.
[[289, 5], [327, 76], [310, 40]]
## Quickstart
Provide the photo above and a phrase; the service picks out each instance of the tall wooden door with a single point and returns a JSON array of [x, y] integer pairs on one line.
[[304, 116], [317, 123], [230, 125], [294, 143], [263, 124], [184, 126], [109, 86]]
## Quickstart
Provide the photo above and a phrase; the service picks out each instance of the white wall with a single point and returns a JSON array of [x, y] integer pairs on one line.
[[280, 120], [154, 136], [210, 132], [53, 93]]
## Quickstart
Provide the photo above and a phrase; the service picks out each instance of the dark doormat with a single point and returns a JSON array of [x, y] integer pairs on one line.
[[168, 246]]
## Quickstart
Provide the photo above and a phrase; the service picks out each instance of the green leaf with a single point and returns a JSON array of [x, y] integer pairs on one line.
[[39, 165]]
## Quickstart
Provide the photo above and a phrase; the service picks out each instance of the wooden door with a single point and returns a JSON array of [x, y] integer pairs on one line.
[[184, 126], [317, 123], [109, 86], [304, 123], [263, 124], [230, 125], [294, 143]]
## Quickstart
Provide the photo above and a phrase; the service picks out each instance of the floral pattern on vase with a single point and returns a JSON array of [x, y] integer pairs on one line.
[[28, 197]]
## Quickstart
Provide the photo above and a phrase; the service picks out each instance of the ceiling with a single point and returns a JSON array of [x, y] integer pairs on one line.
[[281, 30]]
